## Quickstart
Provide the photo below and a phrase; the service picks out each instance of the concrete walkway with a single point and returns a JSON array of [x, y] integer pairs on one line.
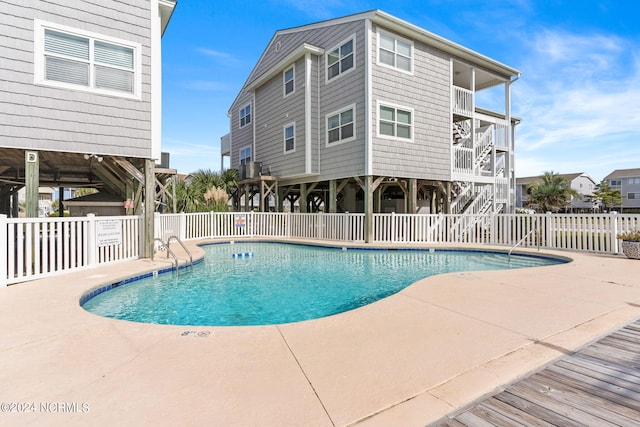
[[407, 360]]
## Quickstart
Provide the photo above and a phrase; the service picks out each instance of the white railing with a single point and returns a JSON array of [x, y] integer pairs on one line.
[[462, 160], [42, 247], [483, 146], [210, 225], [584, 232], [501, 138], [502, 190], [464, 197], [462, 100]]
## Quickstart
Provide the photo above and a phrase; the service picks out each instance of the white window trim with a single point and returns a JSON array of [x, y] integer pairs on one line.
[[39, 77], [284, 82], [240, 115], [397, 107], [284, 138], [326, 60], [326, 126], [395, 36], [240, 154]]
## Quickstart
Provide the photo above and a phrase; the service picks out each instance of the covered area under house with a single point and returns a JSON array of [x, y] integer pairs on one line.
[[137, 182]]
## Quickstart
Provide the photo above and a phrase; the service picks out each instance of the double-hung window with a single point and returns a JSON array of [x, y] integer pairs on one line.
[[395, 122], [77, 59], [395, 52], [245, 155], [245, 115], [341, 125], [290, 138], [288, 77], [340, 59]]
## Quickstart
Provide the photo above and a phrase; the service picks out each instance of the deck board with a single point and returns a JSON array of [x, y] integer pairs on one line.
[[598, 385]]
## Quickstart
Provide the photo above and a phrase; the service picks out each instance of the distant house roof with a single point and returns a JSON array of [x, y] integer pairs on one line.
[[623, 173], [568, 176]]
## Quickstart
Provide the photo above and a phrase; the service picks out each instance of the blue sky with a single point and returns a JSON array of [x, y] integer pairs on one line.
[[578, 96]]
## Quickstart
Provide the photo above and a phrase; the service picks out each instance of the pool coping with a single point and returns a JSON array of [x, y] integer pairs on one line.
[[408, 359]]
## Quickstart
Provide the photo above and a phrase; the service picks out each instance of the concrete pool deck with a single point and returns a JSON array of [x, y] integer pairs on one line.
[[408, 360]]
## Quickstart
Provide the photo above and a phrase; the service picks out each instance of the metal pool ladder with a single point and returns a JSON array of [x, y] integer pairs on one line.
[[183, 247], [166, 246]]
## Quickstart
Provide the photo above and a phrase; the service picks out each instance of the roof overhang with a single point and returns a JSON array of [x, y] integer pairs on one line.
[[456, 50], [166, 10], [279, 67]]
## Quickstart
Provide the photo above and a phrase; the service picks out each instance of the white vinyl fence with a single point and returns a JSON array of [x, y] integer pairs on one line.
[[41, 247], [33, 248], [340, 227], [578, 232]]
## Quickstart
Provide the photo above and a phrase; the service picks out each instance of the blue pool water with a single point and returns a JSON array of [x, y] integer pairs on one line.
[[272, 283]]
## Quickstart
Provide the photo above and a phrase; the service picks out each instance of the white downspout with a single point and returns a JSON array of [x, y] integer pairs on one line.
[[156, 81], [307, 114], [368, 143]]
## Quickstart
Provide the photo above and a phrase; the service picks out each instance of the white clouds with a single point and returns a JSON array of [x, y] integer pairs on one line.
[[578, 98], [206, 85], [214, 53], [324, 9], [187, 156]]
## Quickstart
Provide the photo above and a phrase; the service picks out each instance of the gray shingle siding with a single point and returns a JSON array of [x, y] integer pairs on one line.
[[427, 93], [346, 159], [273, 113], [271, 108], [241, 136], [48, 118]]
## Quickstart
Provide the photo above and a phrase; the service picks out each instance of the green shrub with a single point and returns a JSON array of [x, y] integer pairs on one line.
[[630, 236]]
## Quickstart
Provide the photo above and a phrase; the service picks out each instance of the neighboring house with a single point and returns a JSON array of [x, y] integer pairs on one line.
[[80, 97], [45, 200], [581, 182], [628, 182], [369, 113]]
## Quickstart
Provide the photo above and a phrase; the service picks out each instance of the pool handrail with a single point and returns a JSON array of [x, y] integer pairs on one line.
[[183, 247], [535, 228], [169, 251]]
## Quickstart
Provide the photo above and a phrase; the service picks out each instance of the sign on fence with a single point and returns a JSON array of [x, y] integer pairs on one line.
[[108, 232], [241, 220]]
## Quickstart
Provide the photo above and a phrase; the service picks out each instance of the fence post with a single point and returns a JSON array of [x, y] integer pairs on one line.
[[92, 247], [212, 223], [614, 232], [182, 232], [251, 219], [287, 225], [4, 259], [394, 227], [551, 242], [494, 229]]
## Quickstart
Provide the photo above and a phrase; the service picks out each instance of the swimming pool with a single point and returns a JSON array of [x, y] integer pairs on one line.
[[271, 283]]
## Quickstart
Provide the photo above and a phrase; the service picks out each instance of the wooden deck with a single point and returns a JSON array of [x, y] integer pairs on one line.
[[596, 386]]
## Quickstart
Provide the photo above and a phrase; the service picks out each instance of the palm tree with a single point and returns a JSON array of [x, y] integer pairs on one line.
[[205, 191], [551, 193]]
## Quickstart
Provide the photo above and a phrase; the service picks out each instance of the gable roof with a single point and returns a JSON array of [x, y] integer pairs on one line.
[[258, 74], [623, 173]]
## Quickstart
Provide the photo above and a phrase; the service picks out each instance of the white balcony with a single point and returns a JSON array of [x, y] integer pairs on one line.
[[462, 101]]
